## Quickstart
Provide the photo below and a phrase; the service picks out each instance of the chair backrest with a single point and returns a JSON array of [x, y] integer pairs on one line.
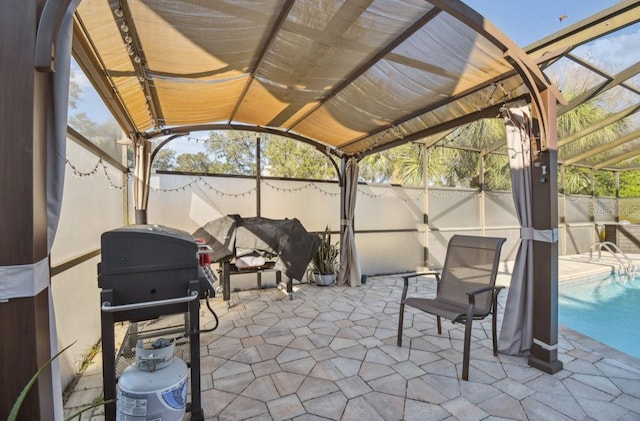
[[471, 262]]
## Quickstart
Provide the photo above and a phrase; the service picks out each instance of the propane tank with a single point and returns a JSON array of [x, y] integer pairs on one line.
[[155, 386]]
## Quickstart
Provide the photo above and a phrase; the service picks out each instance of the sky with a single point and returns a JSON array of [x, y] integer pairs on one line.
[[527, 21]]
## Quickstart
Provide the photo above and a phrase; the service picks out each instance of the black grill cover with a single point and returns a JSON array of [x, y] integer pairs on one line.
[[235, 236]]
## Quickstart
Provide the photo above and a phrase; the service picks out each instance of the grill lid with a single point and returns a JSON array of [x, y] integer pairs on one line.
[[147, 248]]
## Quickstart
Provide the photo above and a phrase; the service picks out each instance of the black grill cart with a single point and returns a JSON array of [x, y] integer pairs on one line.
[[148, 272]]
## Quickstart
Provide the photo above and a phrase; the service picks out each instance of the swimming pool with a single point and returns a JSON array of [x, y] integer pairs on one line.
[[606, 309]]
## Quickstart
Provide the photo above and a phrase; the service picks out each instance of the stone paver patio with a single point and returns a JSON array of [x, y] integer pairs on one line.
[[331, 354]]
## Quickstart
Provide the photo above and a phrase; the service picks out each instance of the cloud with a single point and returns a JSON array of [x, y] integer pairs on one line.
[[614, 52], [79, 77]]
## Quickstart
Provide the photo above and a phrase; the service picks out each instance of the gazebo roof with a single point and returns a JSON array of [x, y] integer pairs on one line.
[[351, 78]]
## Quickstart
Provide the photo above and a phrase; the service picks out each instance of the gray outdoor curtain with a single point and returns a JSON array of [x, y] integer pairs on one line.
[[516, 334], [350, 271], [142, 174], [29, 280], [56, 163]]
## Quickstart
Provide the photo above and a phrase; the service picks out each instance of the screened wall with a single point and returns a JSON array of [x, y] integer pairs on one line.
[[398, 228]]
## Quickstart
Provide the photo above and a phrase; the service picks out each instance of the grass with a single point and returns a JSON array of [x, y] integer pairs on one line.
[[91, 353]]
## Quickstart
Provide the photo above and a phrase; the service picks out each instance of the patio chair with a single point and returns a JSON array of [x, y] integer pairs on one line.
[[466, 288]]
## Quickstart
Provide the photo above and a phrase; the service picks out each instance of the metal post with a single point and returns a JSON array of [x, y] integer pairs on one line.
[[258, 178], [425, 205], [481, 197], [617, 173]]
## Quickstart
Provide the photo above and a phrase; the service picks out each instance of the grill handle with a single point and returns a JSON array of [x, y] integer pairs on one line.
[[108, 308]]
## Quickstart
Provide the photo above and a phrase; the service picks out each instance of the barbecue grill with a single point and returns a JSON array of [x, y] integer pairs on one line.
[[147, 272]]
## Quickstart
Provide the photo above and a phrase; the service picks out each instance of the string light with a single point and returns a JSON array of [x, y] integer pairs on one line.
[[397, 132], [224, 194], [490, 101], [84, 174], [112, 184], [390, 194], [208, 186], [135, 52], [80, 174], [313, 186], [308, 186], [304, 187], [449, 194], [208, 140]]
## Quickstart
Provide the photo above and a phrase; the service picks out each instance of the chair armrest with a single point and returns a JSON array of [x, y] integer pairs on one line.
[[481, 290], [413, 275], [472, 295]]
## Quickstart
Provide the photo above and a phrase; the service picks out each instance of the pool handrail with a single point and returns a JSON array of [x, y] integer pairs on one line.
[[629, 267]]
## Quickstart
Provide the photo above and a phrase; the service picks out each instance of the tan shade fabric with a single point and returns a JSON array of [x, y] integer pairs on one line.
[[354, 75]]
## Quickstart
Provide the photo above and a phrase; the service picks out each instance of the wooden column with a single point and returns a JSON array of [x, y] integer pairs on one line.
[[544, 164], [24, 322]]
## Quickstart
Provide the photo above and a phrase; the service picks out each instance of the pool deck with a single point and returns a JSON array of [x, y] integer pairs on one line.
[[331, 354]]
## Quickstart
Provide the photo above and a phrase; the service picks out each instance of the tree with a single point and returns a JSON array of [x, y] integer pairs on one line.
[[377, 167], [497, 173], [630, 183], [194, 162], [294, 159], [232, 152], [574, 82], [104, 135], [400, 165], [407, 165], [451, 166], [165, 159], [575, 180], [605, 183], [75, 90]]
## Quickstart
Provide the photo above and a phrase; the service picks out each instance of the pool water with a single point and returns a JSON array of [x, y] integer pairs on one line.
[[607, 310]]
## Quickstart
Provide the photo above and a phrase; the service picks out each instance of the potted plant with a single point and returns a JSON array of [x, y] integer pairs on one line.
[[324, 264]]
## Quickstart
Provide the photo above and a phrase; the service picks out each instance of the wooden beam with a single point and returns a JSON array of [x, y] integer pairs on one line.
[[544, 215]]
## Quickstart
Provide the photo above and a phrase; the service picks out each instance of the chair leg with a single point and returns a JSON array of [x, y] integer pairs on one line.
[[494, 307], [400, 323], [439, 325], [493, 332], [467, 348]]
